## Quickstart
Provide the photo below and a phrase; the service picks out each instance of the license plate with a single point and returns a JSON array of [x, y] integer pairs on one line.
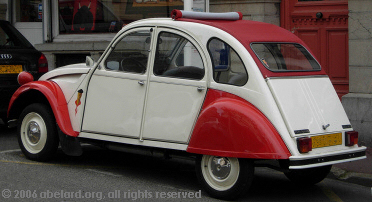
[[10, 69], [326, 140]]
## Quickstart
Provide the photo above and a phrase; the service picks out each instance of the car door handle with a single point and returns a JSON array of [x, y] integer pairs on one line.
[[141, 83], [200, 88]]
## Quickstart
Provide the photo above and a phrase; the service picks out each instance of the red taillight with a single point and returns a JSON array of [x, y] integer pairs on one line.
[[351, 138], [42, 64], [304, 144]]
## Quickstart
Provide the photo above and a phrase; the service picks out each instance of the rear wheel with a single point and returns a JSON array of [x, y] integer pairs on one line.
[[309, 176], [37, 132], [224, 177]]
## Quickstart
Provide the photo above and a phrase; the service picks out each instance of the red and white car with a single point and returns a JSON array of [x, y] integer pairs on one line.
[[227, 91]]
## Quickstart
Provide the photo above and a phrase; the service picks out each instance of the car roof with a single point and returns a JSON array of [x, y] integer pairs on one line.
[[246, 32]]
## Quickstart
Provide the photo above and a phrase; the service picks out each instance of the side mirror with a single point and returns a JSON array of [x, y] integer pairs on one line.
[[89, 61]]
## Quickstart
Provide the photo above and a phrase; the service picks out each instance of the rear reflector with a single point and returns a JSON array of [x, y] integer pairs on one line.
[[43, 64], [351, 138], [304, 144]]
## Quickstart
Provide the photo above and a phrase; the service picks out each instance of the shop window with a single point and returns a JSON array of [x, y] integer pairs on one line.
[[104, 16], [29, 10]]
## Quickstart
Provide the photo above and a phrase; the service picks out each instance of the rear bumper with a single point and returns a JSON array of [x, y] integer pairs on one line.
[[302, 162]]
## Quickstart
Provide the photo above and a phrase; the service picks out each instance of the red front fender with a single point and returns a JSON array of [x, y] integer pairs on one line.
[[56, 99], [230, 126]]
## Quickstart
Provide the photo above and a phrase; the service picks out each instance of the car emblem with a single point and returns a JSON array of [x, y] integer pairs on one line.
[[326, 126], [6, 56]]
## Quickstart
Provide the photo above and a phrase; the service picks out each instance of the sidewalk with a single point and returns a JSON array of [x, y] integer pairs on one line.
[[358, 172]]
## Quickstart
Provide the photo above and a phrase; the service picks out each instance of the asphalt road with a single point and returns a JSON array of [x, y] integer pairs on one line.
[[102, 175]]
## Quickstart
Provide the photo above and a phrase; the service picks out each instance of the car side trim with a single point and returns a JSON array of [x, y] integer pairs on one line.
[[133, 141], [56, 99], [231, 126]]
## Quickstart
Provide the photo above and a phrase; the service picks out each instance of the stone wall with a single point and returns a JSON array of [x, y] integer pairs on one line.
[[358, 103], [257, 10]]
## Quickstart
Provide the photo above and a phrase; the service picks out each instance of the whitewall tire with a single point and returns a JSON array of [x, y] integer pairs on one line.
[[37, 133], [224, 177]]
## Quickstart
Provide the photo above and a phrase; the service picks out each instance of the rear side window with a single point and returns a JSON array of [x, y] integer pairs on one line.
[[228, 68], [283, 57]]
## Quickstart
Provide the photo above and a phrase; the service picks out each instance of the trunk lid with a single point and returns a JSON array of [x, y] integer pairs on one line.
[[309, 105]]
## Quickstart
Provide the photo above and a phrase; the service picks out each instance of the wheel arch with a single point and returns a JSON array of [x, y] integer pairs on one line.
[[46, 92], [25, 99], [232, 127]]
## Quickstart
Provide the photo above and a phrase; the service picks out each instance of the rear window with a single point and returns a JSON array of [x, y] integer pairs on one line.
[[10, 38], [282, 57]]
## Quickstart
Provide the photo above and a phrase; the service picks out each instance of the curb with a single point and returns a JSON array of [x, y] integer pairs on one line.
[[362, 179]]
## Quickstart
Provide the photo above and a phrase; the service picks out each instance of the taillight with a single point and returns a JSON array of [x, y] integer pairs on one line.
[[42, 64], [304, 144], [351, 138]]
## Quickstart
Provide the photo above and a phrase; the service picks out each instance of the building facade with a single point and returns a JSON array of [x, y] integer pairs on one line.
[[358, 103], [338, 31]]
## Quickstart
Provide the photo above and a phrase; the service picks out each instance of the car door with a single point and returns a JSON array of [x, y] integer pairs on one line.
[[116, 91], [177, 87]]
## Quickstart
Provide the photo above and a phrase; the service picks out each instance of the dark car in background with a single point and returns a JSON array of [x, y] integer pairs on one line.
[[16, 55]]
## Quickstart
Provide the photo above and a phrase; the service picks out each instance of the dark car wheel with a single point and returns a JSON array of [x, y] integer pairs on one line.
[[224, 177], [37, 133], [309, 176]]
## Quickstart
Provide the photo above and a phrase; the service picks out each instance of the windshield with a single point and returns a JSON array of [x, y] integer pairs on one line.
[[283, 57]]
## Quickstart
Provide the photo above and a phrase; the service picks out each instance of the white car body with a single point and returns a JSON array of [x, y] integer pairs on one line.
[[145, 109]]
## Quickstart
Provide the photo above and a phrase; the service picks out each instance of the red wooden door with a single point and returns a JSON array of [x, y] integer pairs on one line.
[[323, 26]]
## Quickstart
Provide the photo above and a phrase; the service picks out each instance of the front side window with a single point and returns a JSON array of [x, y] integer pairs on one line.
[[177, 57], [131, 53], [283, 57], [228, 68]]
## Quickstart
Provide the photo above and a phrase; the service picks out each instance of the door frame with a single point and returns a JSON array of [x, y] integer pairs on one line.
[[121, 75], [186, 83], [285, 9]]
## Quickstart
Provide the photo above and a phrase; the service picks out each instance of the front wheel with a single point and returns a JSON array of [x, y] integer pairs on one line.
[[224, 177], [37, 133]]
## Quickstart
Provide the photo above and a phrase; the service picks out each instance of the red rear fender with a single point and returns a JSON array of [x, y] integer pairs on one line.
[[230, 126]]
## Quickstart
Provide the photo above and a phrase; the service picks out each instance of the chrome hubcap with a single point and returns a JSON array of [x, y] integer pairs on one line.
[[221, 173], [33, 132], [220, 167]]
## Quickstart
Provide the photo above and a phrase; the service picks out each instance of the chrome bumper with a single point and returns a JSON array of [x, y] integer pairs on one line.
[[302, 162]]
